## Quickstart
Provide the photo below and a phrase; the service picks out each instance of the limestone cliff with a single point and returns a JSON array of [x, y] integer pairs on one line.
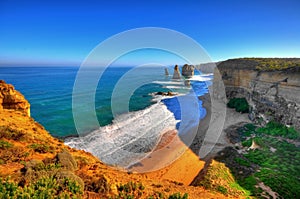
[[273, 92], [12, 99]]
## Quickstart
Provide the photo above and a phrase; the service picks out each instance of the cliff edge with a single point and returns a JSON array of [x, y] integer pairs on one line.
[[12, 99], [270, 85]]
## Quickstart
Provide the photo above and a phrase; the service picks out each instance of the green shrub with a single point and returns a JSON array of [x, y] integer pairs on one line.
[[41, 148], [270, 64], [276, 129], [7, 189], [247, 143], [250, 127], [278, 169], [43, 188], [12, 153], [240, 104], [61, 175], [157, 195], [178, 196], [131, 190], [249, 183], [9, 133], [242, 162], [222, 190], [5, 145]]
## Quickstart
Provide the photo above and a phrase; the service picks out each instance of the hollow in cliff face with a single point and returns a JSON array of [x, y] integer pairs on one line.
[[12, 99]]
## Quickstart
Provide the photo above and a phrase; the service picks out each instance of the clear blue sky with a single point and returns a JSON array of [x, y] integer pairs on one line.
[[64, 32]]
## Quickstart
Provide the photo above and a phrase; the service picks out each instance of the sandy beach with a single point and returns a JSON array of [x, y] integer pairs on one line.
[[173, 160]]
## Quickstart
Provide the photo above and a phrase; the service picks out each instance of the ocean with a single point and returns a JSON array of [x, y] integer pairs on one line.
[[49, 91]]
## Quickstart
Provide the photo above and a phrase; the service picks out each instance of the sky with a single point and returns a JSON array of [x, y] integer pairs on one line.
[[64, 32]]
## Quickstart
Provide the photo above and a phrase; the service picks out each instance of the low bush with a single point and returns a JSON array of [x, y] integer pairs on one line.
[[222, 190], [242, 162], [66, 160], [178, 196], [240, 104], [12, 153], [276, 129], [41, 148], [11, 134], [43, 188], [5, 145]]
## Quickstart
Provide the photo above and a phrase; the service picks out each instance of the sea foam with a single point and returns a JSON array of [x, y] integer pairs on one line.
[[130, 137]]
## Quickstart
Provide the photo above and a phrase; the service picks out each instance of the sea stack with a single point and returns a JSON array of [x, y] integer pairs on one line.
[[188, 70], [176, 74], [12, 99], [166, 72]]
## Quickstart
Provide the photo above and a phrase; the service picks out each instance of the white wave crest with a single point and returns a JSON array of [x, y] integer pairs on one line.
[[200, 78], [184, 88], [206, 74], [174, 82], [130, 137]]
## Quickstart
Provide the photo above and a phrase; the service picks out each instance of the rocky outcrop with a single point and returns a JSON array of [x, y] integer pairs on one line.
[[169, 93], [272, 95], [12, 99], [188, 70], [176, 74], [166, 72]]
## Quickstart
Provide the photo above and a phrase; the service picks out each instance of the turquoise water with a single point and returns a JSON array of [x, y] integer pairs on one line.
[[49, 91]]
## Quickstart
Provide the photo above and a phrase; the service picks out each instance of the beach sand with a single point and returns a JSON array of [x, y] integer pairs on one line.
[[173, 160]]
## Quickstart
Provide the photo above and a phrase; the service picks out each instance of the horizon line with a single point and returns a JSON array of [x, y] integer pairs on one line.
[[74, 64]]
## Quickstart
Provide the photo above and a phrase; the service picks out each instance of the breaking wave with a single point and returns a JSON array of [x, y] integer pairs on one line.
[[130, 138]]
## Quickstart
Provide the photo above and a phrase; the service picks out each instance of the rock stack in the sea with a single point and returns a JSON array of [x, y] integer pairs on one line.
[[12, 99], [166, 72], [188, 70], [176, 74], [169, 93]]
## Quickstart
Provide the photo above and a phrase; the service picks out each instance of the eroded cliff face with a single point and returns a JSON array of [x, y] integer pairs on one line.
[[12, 99], [272, 95]]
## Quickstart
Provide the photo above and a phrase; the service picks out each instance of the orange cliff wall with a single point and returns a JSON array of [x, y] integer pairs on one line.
[[12, 99]]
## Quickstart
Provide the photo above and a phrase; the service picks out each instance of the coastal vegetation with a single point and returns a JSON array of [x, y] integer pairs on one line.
[[218, 178], [270, 64], [50, 187], [55, 178], [239, 104], [262, 64], [275, 161]]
